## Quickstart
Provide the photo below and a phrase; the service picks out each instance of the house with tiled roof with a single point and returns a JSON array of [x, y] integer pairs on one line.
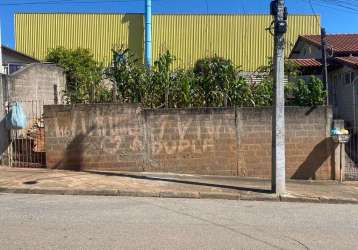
[[342, 59], [14, 60]]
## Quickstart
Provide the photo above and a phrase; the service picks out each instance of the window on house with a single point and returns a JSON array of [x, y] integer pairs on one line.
[[349, 77], [305, 52], [310, 50], [6, 68], [15, 67], [11, 68]]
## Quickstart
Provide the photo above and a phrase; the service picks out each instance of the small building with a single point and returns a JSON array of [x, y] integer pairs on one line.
[[32, 86], [342, 58], [14, 60]]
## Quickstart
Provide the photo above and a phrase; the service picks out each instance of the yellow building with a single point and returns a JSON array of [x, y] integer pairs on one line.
[[241, 38]]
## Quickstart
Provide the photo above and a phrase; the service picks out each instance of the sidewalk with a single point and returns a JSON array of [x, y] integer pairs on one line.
[[44, 181]]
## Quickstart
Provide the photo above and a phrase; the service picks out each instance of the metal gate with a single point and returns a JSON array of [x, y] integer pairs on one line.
[[351, 160], [27, 146]]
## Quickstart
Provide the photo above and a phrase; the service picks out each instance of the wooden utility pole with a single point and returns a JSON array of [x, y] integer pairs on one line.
[[279, 12]]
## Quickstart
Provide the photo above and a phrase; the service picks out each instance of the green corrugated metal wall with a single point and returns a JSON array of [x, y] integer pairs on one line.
[[241, 38]]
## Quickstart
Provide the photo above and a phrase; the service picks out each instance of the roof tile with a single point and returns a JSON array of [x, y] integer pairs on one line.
[[352, 60], [307, 62], [344, 43]]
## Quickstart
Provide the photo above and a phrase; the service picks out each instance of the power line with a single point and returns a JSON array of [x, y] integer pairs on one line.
[[344, 4], [350, 6], [67, 2], [313, 11], [335, 6]]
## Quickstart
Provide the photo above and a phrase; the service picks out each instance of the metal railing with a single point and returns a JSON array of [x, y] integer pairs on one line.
[[27, 146]]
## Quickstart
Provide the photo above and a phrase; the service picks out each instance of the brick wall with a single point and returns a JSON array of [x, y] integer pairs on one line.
[[195, 141]]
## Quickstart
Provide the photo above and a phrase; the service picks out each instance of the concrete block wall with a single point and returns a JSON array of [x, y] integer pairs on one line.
[[309, 148], [213, 141], [94, 137], [201, 141], [35, 85], [36, 82]]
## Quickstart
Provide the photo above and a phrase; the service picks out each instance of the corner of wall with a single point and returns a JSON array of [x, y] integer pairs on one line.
[[329, 120]]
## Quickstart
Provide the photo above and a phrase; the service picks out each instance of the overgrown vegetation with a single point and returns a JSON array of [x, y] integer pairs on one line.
[[298, 92], [308, 93], [127, 75], [83, 73], [212, 82]]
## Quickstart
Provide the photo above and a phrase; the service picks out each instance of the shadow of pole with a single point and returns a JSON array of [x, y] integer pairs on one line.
[[320, 153], [172, 180]]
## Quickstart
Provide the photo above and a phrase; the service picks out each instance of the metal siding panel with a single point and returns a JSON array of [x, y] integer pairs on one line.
[[241, 38], [36, 33]]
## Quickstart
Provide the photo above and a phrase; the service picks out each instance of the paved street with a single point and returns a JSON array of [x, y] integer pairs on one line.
[[90, 222]]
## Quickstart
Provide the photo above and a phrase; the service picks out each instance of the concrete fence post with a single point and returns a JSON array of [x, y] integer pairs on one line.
[[339, 155]]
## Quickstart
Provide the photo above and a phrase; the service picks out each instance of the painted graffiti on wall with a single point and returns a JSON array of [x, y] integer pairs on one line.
[[188, 135], [109, 133]]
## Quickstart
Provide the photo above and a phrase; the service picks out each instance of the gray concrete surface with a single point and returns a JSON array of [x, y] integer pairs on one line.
[[92, 222], [45, 181]]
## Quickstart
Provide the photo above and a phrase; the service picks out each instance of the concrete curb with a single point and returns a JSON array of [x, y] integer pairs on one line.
[[322, 199], [187, 195]]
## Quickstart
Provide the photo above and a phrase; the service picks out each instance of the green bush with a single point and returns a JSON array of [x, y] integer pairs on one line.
[[83, 75], [184, 91], [308, 93], [263, 92], [298, 92], [221, 84], [215, 76]]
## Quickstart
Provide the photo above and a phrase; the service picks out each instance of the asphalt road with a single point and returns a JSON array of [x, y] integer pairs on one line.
[[83, 222]]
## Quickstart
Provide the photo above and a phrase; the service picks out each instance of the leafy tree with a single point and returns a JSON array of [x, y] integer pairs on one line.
[[221, 84], [83, 75]]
